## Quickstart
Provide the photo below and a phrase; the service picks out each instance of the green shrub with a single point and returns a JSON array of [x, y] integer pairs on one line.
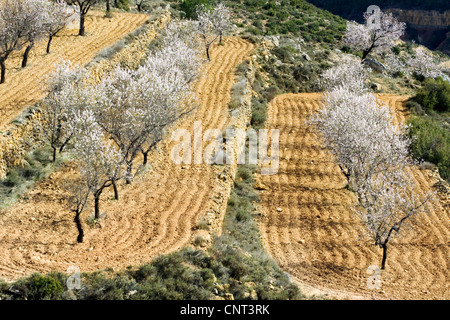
[[99, 286], [431, 143], [12, 179], [189, 7], [181, 275], [435, 95], [254, 31], [259, 112], [37, 287], [415, 108]]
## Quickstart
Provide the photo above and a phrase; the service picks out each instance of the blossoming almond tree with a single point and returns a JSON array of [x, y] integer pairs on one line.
[[206, 28], [56, 16], [135, 107], [424, 64], [34, 15], [374, 37], [373, 154], [99, 161], [221, 20], [175, 98], [347, 70], [13, 30], [395, 64], [176, 53], [83, 6], [66, 95]]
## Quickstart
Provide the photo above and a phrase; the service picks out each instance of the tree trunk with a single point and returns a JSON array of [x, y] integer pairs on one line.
[[50, 38], [383, 261], [145, 157], [54, 153], [79, 227], [220, 39], [139, 7], [129, 170], [108, 7], [82, 30], [64, 144], [116, 191], [26, 53], [97, 203], [365, 54], [3, 70], [207, 53]]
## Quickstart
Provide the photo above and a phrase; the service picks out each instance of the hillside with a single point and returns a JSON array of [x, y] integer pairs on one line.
[[102, 33], [428, 21], [309, 228], [183, 231]]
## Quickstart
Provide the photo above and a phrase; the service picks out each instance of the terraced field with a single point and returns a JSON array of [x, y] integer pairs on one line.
[[156, 214], [308, 225], [24, 87]]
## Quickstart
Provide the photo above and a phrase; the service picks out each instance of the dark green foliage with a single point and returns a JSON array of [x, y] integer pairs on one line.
[[289, 17], [432, 142], [415, 108], [259, 112], [430, 124], [36, 166], [37, 287], [396, 50], [99, 286], [435, 95], [284, 53], [189, 7], [183, 275], [123, 4]]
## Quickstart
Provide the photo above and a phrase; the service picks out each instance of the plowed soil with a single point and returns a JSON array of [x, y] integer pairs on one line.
[[24, 87], [308, 227], [156, 214]]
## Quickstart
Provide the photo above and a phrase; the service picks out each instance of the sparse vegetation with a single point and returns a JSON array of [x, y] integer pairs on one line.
[[37, 165], [432, 141]]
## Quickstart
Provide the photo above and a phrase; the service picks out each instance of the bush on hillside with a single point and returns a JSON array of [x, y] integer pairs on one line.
[[435, 95], [431, 143]]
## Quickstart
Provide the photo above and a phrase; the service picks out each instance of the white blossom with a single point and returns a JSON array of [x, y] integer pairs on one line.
[[206, 28], [347, 72], [66, 96], [221, 20], [378, 37], [425, 64], [56, 16], [372, 151]]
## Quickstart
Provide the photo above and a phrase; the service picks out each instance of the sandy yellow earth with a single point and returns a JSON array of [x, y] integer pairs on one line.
[[24, 87], [309, 229], [156, 214]]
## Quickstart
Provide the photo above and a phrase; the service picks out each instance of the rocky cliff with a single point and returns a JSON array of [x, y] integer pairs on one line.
[[430, 28], [422, 18], [428, 22]]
